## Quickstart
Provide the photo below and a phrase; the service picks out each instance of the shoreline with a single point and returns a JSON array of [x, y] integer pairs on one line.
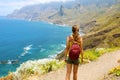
[[32, 20], [43, 60]]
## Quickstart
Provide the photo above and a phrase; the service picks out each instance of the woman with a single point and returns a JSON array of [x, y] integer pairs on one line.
[[74, 38]]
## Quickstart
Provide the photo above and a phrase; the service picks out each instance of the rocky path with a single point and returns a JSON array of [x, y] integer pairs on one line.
[[91, 71]]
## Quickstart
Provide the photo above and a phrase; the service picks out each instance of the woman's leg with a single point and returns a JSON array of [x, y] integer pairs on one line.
[[69, 68], [75, 71]]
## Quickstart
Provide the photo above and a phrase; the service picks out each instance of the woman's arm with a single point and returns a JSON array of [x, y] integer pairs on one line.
[[81, 45], [67, 47]]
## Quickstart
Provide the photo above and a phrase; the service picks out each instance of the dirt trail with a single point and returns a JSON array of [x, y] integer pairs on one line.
[[91, 71]]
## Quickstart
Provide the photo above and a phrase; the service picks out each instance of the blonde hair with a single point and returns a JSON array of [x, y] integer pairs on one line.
[[75, 31]]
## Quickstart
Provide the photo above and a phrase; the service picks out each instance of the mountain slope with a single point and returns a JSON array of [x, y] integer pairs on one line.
[[73, 12], [105, 34]]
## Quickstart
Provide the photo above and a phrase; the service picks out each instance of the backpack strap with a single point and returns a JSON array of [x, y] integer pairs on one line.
[[70, 38], [70, 41]]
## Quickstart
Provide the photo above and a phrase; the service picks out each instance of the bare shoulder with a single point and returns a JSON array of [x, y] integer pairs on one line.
[[70, 37], [80, 37], [67, 38]]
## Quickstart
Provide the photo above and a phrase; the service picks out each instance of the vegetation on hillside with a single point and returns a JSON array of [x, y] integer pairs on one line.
[[94, 54], [115, 71], [113, 74], [36, 67], [105, 34]]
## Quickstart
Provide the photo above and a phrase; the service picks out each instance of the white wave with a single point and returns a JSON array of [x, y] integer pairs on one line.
[[58, 52], [26, 50], [39, 61], [27, 47], [42, 49], [43, 61], [62, 25], [9, 62], [50, 23], [52, 56], [63, 45]]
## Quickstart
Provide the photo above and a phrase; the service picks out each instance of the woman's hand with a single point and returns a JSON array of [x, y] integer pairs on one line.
[[65, 59], [82, 56], [82, 60]]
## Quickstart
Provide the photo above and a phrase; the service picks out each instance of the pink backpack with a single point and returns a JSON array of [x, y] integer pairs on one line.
[[74, 52]]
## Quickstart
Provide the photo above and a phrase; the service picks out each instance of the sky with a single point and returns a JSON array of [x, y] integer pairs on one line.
[[8, 6]]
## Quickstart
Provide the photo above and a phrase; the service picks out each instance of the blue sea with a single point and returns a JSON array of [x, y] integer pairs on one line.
[[22, 40]]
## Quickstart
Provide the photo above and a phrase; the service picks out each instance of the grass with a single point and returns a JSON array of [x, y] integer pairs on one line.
[[94, 54], [115, 71], [51, 66]]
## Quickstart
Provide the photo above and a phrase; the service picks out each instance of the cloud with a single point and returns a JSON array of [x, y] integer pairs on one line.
[[7, 6], [25, 2]]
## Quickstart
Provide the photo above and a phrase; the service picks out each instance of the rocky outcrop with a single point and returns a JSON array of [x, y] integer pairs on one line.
[[61, 11]]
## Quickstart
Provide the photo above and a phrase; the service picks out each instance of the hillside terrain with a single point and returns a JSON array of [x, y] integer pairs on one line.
[[73, 12], [106, 32]]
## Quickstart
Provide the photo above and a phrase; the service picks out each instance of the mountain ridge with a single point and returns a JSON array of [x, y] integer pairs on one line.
[[73, 12]]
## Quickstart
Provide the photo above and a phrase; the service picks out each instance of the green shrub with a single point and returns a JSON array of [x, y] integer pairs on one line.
[[38, 67], [93, 54], [30, 71], [115, 71], [51, 65], [90, 55]]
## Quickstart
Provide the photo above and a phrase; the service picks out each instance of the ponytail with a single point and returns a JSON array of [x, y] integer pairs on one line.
[[75, 30]]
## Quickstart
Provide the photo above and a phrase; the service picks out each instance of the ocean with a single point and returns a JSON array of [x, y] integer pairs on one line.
[[22, 40]]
